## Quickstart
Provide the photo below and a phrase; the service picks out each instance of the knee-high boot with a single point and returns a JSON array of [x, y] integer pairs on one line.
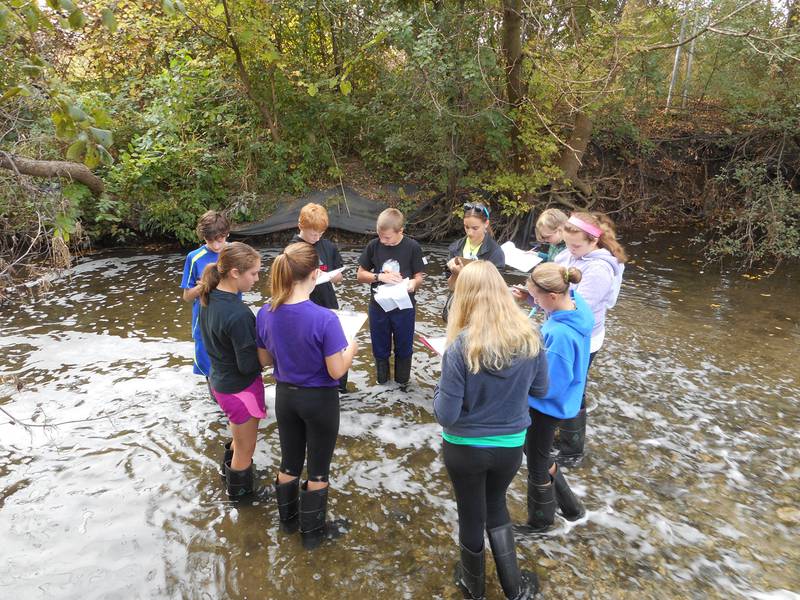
[[516, 584]]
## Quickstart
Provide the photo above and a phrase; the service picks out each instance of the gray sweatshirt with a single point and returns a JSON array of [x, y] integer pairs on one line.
[[486, 403]]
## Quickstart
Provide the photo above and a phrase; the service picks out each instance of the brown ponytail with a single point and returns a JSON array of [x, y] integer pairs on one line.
[[296, 263], [553, 278], [235, 255], [608, 237]]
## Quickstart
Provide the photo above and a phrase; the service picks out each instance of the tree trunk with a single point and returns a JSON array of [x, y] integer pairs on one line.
[[571, 158], [52, 168], [512, 48], [266, 115], [337, 58]]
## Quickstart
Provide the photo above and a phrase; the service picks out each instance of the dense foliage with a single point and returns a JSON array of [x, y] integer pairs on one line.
[[174, 107]]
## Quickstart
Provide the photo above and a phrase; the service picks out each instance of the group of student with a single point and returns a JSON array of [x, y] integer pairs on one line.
[[506, 386]]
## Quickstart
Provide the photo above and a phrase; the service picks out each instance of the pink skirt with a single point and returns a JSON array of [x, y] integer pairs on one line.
[[245, 405]]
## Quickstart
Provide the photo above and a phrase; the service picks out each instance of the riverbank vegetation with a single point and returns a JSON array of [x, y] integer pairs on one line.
[[124, 120]]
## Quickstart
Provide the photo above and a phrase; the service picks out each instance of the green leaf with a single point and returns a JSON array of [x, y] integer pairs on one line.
[[17, 90], [76, 150], [77, 19], [345, 86], [54, 4], [312, 89], [218, 11], [31, 14], [92, 158], [76, 114], [32, 70], [180, 7], [103, 136], [4, 12], [105, 157], [168, 6], [109, 20], [67, 5], [101, 118]]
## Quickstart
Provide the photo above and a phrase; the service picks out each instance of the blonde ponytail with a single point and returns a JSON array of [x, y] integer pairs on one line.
[[554, 278], [296, 263]]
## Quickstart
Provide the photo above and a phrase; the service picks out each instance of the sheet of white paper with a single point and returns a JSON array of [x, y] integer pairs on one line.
[[393, 295], [351, 322], [436, 344], [519, 260], [326, 276]]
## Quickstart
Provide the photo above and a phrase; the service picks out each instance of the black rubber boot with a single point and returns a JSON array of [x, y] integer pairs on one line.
[[382, 370], [314, 529], [541, 506], [287, 495], [227, 457], [572, 436], [240, 485], [402, 370], [516, 584], [571, 507], [471, 573]]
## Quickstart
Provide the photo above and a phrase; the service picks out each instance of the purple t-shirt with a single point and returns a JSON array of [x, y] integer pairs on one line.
[[299, 337]]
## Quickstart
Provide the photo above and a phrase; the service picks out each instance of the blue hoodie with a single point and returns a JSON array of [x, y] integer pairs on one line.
[[566, 336]]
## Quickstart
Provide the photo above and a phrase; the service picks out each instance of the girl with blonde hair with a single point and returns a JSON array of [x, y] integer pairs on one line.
[[566, 334], [592, 247], [228, 328], [492, 363], [307, 346]]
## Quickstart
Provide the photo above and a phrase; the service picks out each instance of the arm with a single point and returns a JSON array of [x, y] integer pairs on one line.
[[448, 396], [541, 379], [190, 294], [243, 339], [596, 281], [560, 376], [265, 358], [415, 283], [338, 364]]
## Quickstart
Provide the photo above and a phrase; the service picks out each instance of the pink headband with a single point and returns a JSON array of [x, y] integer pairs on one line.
[[593, 231]]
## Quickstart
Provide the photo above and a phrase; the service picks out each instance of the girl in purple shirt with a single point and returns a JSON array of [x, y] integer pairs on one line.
[[306, 344]]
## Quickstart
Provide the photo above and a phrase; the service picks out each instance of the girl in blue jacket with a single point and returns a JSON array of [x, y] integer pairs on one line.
[[567, 334], [493, 362]]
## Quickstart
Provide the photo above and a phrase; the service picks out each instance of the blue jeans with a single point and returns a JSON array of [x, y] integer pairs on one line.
[[384, 326]]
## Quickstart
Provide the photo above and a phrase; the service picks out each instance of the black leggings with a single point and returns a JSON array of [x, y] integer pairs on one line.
[[591, 360], [538, 442], [307, 418], [480, 479]]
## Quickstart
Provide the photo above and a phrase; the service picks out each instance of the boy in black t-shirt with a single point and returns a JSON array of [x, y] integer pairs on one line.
[[312, 223], [389, 259]]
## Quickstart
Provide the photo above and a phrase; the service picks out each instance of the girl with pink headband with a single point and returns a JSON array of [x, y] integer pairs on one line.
[[592, 247]]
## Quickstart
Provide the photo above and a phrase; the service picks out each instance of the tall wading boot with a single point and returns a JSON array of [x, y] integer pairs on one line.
[[287, 496], [516, 584], [382, 370], [571, 507], [227, 457], [314, 529], [572, 437], [240, 485], [541, 506], [470, 573], [402, 370]]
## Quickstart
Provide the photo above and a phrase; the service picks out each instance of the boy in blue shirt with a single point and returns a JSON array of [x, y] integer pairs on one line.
[[213, 228]]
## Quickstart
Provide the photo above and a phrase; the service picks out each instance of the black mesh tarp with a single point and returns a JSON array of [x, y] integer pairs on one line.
[[349, 212]]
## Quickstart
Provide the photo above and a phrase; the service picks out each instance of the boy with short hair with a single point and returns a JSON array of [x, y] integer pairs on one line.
[[390, 258], [213, 228], [312, 223]]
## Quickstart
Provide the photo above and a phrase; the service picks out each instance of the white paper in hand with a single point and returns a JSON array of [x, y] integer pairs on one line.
[[437, 344], [326, 276], [351, 322], [519, 260], [390, 296]]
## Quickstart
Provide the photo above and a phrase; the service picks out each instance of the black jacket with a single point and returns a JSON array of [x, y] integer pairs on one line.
[[490, 250]]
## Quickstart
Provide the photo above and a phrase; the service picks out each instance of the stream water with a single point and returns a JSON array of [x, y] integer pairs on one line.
[[692, 478]]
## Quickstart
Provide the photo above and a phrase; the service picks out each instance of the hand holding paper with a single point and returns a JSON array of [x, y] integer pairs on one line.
[[326, 276], [393, 295], [519, 260]]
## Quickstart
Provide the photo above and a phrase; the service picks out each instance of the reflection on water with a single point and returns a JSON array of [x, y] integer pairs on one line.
[[692, 481]]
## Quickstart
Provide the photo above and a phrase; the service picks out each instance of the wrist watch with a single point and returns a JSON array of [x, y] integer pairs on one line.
[[377, 275]]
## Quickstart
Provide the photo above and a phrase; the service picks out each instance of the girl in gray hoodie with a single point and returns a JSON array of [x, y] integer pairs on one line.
[[592, 247]]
